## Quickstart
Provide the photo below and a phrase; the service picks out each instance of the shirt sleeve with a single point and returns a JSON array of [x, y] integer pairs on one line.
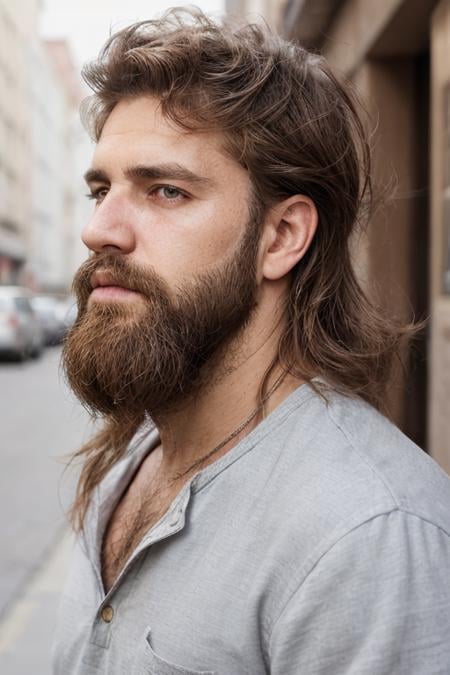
[[377, 603]]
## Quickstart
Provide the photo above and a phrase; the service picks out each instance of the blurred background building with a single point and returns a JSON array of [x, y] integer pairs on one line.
[[397, 54], [40, 146]]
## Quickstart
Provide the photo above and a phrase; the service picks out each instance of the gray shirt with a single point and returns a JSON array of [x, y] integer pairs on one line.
[[318, 545]]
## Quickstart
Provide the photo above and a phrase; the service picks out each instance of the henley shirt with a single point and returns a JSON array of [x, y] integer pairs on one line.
[[318, 545]]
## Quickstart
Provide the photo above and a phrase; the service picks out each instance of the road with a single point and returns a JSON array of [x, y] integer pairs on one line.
[[40, 422]]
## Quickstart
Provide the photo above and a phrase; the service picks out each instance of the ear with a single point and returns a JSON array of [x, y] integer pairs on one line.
[[288, 232]]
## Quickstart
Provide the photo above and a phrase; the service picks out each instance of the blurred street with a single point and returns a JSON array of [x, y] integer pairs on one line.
[[40, 423]]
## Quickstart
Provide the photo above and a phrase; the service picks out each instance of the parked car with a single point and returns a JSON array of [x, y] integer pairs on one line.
[[67, 312], [21, 334], [48, 311]]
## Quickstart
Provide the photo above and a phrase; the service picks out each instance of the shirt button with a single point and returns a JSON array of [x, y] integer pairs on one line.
[[107, 613]]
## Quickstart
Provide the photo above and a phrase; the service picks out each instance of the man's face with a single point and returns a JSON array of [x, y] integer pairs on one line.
[[173, 275], [166, 199]]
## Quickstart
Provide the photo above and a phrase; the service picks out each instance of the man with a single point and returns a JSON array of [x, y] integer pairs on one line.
[[244, 508]]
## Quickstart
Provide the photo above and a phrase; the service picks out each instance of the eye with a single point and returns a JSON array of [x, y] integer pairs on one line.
[[168, 193], [98, 195]]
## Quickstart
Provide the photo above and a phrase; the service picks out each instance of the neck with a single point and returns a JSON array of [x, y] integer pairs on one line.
[[223, 406]]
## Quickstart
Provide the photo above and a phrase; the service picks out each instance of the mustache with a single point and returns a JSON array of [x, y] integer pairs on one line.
[[124, 272]]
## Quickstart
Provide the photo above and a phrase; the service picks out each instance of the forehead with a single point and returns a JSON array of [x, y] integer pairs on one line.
[[137, 131]]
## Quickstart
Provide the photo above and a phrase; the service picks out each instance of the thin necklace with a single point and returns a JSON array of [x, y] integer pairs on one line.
[[236, 431]]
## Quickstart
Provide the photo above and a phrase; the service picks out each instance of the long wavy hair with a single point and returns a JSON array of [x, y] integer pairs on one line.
[[297, 130]]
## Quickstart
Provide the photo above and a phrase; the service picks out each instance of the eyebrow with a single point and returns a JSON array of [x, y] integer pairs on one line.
[[172, 171]]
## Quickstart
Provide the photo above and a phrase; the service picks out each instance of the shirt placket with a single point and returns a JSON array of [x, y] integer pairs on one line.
[[108, 612]]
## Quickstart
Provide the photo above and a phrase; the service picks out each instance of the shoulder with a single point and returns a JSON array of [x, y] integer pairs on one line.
[[353, 463], [342, 476], [414, 482]]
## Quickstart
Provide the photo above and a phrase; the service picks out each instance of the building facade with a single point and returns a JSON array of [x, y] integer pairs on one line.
[[270, 10], [40, 133], [55, 98], [16, 29], [397, 54]]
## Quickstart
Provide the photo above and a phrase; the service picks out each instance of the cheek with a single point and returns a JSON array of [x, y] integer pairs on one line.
[[191, 244]]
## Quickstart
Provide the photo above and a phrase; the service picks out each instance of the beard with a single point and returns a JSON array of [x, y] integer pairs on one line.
[[153, 354]]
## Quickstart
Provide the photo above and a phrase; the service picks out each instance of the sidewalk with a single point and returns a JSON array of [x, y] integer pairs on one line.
[[26, 631]]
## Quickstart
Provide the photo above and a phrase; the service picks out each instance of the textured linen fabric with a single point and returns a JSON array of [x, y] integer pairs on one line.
[[318, 545]]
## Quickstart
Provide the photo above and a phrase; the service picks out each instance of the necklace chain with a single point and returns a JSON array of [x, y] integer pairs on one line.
[[236, 431]]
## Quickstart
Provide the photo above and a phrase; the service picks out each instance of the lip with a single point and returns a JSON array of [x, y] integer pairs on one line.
[[112, 293], [105, 287], [104, 278]]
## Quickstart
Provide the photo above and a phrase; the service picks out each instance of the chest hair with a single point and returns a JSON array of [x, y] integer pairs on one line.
[[142, 505]]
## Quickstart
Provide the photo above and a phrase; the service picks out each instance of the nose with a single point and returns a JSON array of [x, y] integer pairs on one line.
[[111, 227]]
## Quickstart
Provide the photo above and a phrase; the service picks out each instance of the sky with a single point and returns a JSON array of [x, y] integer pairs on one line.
[[87, 23]]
